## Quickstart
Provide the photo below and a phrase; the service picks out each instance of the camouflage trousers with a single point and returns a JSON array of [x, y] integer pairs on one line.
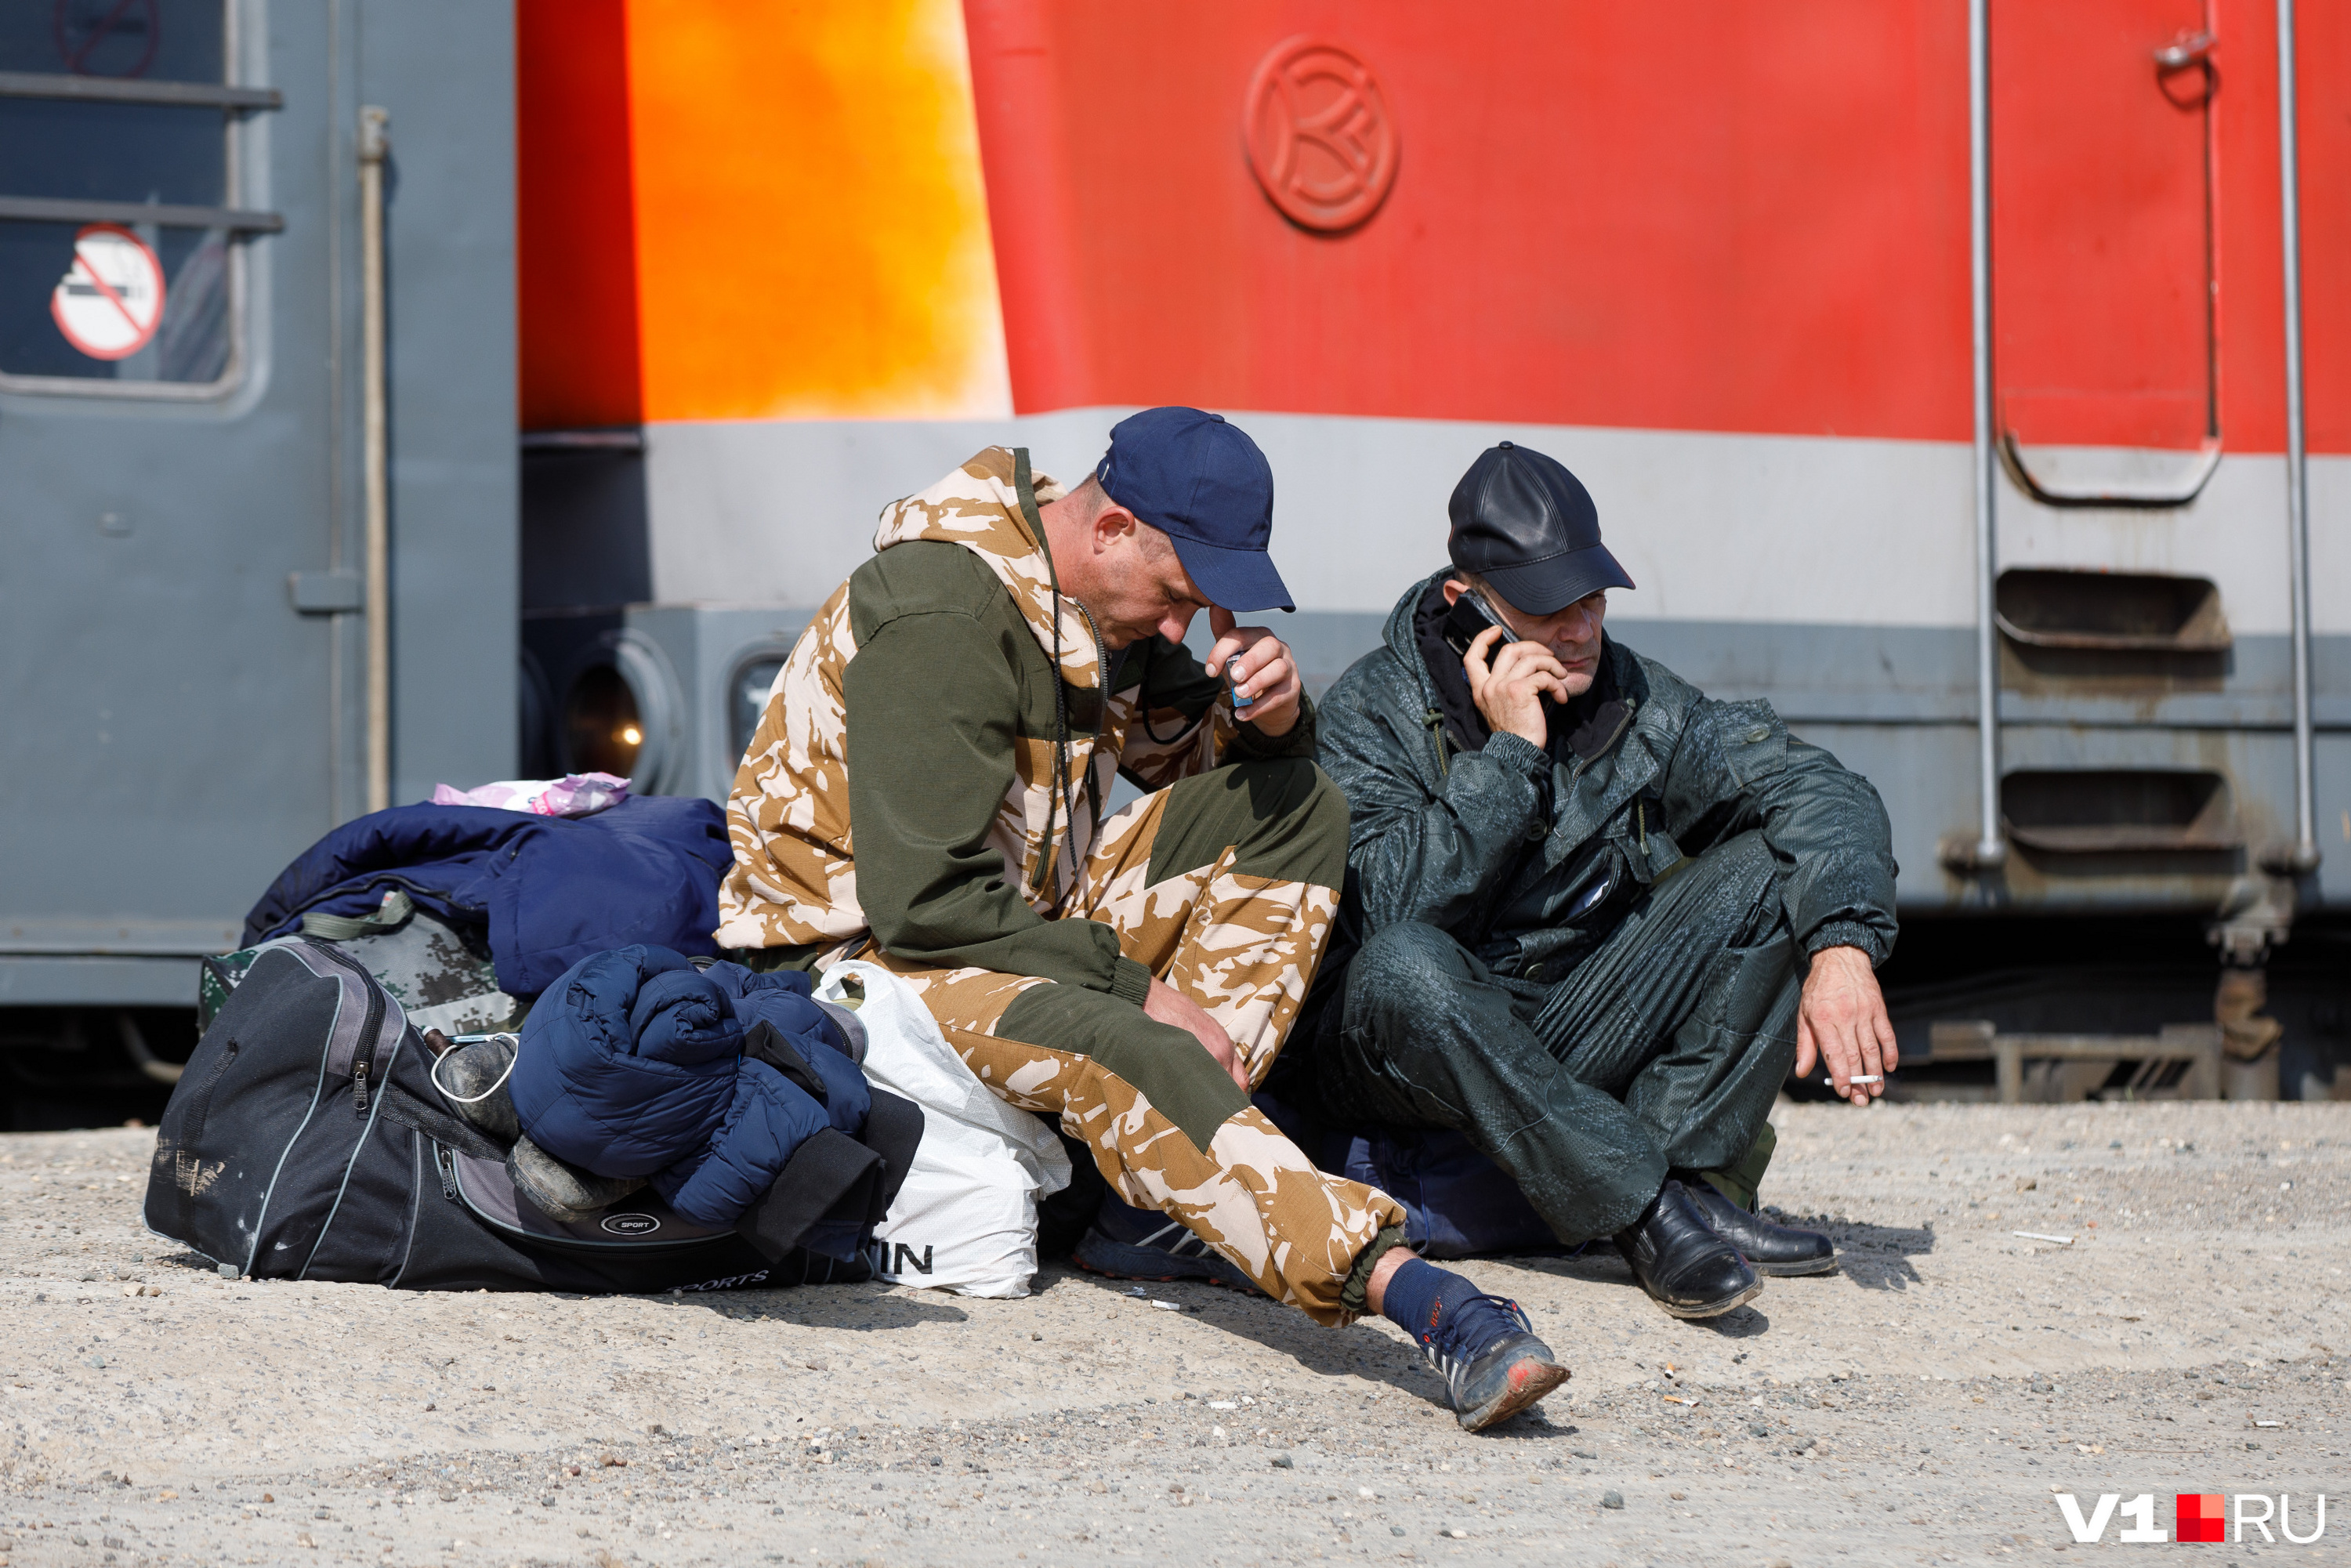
[[1222, 885]]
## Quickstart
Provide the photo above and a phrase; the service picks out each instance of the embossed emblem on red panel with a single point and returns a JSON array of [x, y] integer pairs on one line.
[[1320, 138]]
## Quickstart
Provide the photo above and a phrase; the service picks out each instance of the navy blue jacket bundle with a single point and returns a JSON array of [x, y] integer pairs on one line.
[[550, 891], [735, 1094]]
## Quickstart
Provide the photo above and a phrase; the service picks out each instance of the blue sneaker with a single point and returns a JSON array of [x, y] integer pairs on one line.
[[1129, 1243], [1492, 1364]]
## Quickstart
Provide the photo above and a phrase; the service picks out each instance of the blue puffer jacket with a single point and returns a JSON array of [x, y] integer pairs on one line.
[[632, 1064], [547, 891]]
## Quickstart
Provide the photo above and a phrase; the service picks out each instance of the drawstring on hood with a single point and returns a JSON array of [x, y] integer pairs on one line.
[[1057, 790], [1062, 789]]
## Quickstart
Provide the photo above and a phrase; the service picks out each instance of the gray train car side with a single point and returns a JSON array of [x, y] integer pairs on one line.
[[184, 662]]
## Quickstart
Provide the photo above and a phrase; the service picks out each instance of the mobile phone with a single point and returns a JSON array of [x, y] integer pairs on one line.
[[1469, 616]]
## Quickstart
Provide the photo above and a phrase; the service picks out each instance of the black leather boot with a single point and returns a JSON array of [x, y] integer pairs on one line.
[[1686, 1268], [1771, 1248]]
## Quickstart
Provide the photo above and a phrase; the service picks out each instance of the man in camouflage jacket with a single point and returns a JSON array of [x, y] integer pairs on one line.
[[929, 779], [1591, 915]]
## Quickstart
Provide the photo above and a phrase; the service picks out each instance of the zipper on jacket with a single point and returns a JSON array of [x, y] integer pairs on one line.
[[359, 1086], [441, 1157], [1435, 723], [1610, 744]]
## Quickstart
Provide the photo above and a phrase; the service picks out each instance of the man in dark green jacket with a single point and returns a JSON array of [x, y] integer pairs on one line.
[[1592, 917]]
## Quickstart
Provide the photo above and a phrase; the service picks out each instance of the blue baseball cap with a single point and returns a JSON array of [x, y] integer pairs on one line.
[[1205, 484]]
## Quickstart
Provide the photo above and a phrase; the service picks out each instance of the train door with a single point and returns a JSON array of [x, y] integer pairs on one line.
[[181, 646]]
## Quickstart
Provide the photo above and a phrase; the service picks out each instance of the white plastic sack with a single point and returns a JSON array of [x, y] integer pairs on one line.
[[966, 1218]]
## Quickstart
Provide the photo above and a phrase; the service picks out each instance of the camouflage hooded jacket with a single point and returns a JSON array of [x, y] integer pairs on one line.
[[1527, 858], [921, 705]]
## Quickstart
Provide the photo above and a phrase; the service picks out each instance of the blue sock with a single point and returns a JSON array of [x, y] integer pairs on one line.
[[1419, 1296]]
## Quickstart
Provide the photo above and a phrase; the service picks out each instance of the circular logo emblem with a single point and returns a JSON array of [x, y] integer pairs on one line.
[[1321, 139], [632, 1224], [111, 299]]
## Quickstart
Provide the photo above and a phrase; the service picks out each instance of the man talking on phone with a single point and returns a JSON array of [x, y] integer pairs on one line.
[[1592, 917]]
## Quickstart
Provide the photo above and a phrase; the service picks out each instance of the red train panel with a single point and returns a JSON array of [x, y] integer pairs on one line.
[[1720, 217]]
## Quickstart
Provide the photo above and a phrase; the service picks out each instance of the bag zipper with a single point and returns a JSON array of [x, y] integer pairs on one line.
[[363, 1055]]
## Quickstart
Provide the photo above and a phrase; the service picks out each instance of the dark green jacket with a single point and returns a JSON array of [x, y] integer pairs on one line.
[[1499, 845], [960, 712]]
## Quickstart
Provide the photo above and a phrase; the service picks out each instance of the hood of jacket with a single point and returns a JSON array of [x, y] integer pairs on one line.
[[979, 508]]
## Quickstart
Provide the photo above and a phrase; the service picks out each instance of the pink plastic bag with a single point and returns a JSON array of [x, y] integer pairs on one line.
[[573, 795]]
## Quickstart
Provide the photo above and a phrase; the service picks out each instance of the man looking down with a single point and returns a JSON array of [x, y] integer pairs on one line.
[[929, 779], [1592, 917]]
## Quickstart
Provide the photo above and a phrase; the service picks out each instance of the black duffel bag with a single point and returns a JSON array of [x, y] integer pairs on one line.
[[306, 1141]]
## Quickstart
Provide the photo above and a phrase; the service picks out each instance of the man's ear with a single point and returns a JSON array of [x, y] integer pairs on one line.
[[1453, 592], [1113, 523]]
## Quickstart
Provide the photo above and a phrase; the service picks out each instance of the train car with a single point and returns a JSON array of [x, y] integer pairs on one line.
[[1938, 366], [256, 287]]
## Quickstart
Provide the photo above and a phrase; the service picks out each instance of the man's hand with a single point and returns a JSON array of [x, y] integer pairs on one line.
[[1167, 1005], [1264, 676], [1509, 693], [1842, 1020]]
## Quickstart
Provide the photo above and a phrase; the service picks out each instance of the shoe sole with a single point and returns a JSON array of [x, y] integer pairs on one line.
[[1529, 1381], [1714, 1309], [1796, 1270], [1117, 1260]]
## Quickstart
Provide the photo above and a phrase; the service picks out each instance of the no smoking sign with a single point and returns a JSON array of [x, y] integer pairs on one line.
[[111, 300]]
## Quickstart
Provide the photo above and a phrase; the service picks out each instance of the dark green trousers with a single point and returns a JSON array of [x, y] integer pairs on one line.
[[1660, 1053]]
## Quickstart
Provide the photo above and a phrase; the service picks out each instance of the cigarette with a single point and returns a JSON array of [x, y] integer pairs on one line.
[[1859, 1078]]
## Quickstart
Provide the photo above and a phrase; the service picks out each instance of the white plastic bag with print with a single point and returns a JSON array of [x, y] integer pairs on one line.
[[966, 1218]]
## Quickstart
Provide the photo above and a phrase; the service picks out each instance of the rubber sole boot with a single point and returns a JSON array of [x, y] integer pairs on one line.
[[1781, 1250]]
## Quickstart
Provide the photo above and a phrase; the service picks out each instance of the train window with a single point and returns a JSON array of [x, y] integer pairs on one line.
[[121, 239]]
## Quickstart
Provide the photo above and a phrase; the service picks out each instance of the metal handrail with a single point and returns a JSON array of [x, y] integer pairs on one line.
[[1989, 851], [116, 89], [74, 210], [374, 147], [2304, 856]]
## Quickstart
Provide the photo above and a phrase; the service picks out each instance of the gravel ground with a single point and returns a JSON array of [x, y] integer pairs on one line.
[[1919, 1406]]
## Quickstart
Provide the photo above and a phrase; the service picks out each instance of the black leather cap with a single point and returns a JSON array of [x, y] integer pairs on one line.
[[1525, 524]]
